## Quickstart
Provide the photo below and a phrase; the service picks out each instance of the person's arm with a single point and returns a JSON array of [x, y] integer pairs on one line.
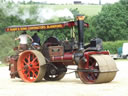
[[17, 38], [30, 37]]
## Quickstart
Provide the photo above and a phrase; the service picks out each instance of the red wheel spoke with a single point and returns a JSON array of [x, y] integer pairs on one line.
[[27, 75], [33, 55], [28, 58], [28, 72], [93, 76], [93, 64], [23, 70], [35, 63], [34, 74], [25, 62], [35, 66], [36, 70], [88, 77], [34, 60]]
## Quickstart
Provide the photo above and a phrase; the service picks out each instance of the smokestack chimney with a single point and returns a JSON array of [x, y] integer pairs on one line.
[[80, 22]]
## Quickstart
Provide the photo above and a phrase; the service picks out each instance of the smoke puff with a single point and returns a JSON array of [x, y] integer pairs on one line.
[[42, 14], [48, 13]]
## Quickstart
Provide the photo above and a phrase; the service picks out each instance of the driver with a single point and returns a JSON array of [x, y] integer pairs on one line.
[[23, 40], [36, 40]]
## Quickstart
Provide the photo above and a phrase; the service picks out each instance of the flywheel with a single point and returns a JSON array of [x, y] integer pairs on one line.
[[55, 72]]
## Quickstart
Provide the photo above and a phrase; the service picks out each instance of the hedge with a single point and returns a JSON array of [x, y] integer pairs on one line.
[[113, 46]]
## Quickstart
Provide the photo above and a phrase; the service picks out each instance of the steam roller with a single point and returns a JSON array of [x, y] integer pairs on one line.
[[50, 60]]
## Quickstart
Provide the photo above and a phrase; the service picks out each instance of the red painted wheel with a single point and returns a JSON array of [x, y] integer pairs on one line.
[[89, 77], [102, 69], [31, 66]]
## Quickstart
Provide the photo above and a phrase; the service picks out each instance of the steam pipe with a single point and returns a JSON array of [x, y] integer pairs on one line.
[[80, 22]]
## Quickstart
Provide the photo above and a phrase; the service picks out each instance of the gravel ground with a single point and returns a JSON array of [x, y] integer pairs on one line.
[[68, 86]]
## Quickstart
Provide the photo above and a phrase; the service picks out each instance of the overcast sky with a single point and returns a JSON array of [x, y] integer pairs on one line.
[[71, 1]]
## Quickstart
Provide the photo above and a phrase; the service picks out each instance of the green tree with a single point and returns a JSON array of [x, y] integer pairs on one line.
[[124, 2], [112, 22]]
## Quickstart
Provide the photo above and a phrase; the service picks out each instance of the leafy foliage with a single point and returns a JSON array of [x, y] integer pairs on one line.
[[7, 44], [111, 23]]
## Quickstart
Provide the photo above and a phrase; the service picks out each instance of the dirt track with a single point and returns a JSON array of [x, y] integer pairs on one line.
[[69, 86]]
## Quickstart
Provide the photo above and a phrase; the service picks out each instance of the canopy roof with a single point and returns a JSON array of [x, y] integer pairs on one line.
[[42, 26]]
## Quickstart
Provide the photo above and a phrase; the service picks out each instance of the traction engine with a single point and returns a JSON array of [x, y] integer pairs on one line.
[[51, 61]]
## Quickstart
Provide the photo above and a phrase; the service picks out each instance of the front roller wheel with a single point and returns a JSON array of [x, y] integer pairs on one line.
[[103, 69], [31, 66]]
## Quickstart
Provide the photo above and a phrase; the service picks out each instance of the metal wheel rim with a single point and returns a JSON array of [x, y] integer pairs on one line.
[[30, 66], [89, 77]]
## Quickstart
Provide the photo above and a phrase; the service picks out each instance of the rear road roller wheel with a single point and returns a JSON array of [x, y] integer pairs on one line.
[[31, 66], [103, 69]]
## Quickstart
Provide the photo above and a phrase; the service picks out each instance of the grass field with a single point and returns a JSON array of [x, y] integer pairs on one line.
[[89, 10]]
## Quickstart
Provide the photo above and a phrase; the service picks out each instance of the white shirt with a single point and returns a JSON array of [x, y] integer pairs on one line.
[[23, 39]]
